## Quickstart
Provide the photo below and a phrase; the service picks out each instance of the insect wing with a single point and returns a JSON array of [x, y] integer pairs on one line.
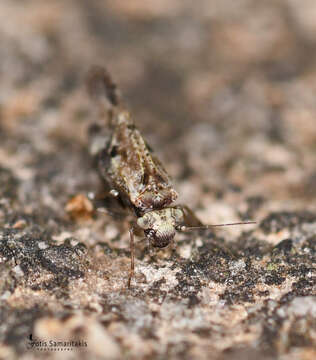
[[129, 166]]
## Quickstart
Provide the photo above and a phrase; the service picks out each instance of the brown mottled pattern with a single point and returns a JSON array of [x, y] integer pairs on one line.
[[133, 170]]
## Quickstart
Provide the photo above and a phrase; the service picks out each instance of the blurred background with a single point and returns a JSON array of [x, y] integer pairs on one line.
[[223, 91]]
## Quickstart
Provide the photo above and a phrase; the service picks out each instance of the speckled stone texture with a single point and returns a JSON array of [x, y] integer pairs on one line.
[[224, 91]]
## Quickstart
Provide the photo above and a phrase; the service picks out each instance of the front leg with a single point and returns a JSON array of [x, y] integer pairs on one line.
[[190, 219], [108, 201], [132, 248]]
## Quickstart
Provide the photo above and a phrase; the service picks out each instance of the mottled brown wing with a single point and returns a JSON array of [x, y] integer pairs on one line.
[[129, 167], [126, 163]]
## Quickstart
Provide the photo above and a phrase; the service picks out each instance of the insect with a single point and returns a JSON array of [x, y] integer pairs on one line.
[[133, 174]]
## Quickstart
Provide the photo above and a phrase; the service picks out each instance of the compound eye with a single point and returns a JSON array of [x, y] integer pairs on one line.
[[150, 233], [159, 239]]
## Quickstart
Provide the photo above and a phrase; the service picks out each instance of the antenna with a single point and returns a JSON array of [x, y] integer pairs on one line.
[[204, 227]]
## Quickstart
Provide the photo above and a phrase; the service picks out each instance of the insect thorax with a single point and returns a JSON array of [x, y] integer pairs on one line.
[[155, 199], [160, 225]]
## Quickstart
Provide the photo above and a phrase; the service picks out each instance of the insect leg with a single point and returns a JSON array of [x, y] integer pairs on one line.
[[132, 247], [190, 219], [104, 201]]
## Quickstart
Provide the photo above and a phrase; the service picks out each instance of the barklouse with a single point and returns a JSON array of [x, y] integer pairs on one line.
[[133, 175]]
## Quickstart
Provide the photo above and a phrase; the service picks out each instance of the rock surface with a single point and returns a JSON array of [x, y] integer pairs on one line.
[[225, 94]]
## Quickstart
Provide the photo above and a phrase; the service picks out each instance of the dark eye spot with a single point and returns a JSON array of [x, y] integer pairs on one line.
[[113, 152]]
